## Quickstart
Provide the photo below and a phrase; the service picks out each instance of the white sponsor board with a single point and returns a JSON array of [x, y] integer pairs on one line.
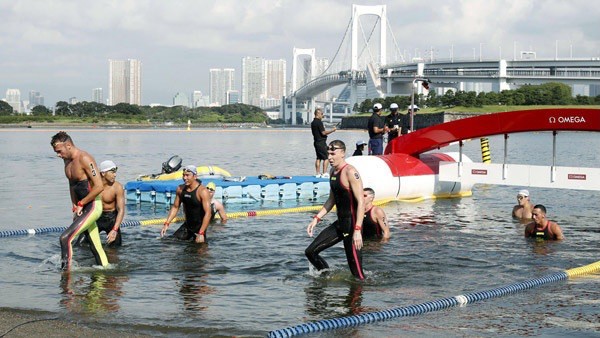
[[521, 175]]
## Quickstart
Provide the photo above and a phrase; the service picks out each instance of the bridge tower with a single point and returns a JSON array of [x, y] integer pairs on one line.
[[313, 66], [357, 12]]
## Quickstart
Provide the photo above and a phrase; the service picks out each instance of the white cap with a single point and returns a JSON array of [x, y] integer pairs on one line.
[[191, 168], [360, 143], [393, 106], [524, 192], [107, 165], [377, 106]]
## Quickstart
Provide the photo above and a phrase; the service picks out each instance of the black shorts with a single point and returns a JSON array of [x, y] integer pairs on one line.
[[321, 150]]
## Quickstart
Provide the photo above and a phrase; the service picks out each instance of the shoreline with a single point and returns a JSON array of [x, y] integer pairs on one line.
[[31, 323]]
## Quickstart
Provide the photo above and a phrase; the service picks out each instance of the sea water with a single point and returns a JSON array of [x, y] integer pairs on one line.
[[253, 276]]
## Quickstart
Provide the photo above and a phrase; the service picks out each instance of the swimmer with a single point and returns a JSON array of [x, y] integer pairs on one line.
[[86, 187], [542, 227], [113, 205], [196, 206], [375, 222], [524, 207], [346, 195], [215, 206]]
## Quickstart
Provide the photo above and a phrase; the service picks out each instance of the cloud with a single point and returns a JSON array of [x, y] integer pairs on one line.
[[49, 44]]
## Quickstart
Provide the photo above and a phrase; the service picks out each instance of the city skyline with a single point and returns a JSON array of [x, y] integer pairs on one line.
[[179, 42]]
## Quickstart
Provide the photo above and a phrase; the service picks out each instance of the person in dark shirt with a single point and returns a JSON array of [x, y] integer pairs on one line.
[[320, 142], [393, 122], [376, 128], [360, 147]]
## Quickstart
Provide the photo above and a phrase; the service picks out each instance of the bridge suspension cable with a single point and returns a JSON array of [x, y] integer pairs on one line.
[[367, 39], [395, 42], [339, 47]]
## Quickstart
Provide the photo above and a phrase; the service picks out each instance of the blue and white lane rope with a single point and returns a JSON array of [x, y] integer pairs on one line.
[[24, 232], [413, 310]]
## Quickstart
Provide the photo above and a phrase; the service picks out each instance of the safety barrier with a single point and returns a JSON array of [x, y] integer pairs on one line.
[[440, 304], [486, 156], [125, 224]]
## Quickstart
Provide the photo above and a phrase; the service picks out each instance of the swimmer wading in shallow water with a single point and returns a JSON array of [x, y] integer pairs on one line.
[[85, 186]]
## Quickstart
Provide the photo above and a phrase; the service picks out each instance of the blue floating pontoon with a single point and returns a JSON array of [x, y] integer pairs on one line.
[[249, 190]]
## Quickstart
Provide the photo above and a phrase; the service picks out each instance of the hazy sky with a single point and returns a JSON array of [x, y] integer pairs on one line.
[[61, 48]]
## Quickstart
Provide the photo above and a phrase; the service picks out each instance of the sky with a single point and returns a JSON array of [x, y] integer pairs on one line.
[[61, 48]]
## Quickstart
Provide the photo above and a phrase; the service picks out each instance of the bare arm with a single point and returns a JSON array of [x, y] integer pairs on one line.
[[120, 205], [325, 132], [221, 211], [205, 198], [383, 223], [557, 231], [91, 171], [173, 211]]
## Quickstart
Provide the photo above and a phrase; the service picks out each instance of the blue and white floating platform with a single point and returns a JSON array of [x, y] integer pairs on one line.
[[250, 189]]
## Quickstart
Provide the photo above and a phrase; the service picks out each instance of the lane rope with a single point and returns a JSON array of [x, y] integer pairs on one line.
[[435, 305], [126, 224]]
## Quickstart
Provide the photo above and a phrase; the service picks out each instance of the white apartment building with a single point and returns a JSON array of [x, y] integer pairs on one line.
[[125, 82], [221, 81]]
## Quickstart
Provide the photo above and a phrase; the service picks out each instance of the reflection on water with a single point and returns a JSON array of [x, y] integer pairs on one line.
[[97, 293]]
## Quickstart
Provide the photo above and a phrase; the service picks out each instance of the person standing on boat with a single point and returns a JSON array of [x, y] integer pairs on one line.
[[524, 208], [375, 223], [196, 207], [346, 195], [320, 143], [216, 207], [542, 227], [376, 128], [85, 186]]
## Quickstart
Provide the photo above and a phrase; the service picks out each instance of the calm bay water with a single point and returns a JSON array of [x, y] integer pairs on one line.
[[253, 276]]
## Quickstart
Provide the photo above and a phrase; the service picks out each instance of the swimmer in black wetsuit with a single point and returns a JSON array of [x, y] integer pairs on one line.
[[542, 228], [196, 207], [346, 196], [85, 186], [375, 223]]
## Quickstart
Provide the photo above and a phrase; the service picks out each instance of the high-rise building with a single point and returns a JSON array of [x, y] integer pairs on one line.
[[253, 80], [13, 97], [221, 80], [197, 99], [97, 95], [275, 82], [125, 81], [180, 99], [233, 96], [35, 99]]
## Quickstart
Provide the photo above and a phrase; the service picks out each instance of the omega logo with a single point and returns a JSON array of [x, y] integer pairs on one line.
[[566, 119]]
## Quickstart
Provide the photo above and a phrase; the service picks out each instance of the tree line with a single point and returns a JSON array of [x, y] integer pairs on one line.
[[98, 112], [551, 93]]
